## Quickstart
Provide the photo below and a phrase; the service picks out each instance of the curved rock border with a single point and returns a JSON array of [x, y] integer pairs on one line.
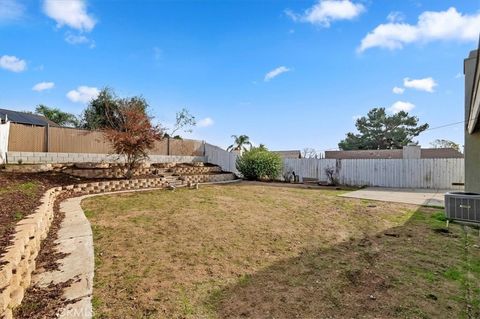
[[18, 263]]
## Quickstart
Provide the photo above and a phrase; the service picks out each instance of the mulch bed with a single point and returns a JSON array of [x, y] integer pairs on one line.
[[20, 194], [45, 302]]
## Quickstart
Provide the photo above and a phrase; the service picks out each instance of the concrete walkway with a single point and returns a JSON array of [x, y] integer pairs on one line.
[[76, 240], [425, 197]]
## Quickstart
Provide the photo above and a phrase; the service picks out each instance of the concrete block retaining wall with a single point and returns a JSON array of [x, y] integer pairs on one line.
[[117, 172], [213, 178], [18, 263], [52, 158], [197, 170]]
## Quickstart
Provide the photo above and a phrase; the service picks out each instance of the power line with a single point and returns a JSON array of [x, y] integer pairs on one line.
[[444, 125], [449, 124]]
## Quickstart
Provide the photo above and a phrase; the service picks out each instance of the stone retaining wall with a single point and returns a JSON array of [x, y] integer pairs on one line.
[[119, 172], [197, 170], [114, 172], [43, 157], [212, 178], [18, 263]]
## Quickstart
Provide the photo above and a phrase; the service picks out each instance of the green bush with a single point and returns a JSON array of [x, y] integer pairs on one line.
[[259, 163]]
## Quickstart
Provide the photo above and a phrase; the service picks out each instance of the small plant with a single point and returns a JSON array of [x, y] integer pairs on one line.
[[18, 216], [259, 164], [20, 161], [331, 176], [288, 175]]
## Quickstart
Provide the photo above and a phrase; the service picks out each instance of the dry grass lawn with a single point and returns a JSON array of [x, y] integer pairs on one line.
[[254, 251]]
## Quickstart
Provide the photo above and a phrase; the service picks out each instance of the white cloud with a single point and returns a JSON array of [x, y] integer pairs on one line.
[[83, 94], [157, 53], [431, 25], [326, 11], [426, 84], [398, 90], [275, 72], [12, 63], [11, 10], [79, 39], [205, 122], [395, 16], [72, 13], [401, 106], [42, 86]]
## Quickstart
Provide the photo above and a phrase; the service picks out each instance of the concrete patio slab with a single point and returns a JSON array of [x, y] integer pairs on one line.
[[425, 197]]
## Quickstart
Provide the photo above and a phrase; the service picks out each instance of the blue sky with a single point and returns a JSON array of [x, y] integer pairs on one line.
[[290, 74]]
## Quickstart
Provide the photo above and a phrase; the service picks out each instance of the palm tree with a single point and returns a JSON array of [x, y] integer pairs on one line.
[[240, 143]]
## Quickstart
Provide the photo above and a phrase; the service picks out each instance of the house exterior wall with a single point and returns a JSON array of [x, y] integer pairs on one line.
[[472, 141]]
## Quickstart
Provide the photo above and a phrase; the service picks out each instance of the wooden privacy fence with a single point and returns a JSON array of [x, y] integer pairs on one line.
[[25, 138], [438, 173]]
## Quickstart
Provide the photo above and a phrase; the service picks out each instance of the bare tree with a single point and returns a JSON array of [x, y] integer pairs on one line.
[[183, 120], [441, 143], [309, 152], [331, 176]]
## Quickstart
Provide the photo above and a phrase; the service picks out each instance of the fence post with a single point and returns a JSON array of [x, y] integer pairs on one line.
[[47, 137], [168, 145]]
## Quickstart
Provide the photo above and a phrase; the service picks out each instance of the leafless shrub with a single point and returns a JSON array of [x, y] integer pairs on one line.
[[331, 175], [288, 175]]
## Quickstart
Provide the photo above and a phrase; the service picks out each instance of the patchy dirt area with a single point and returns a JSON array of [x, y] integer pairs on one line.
[[255, 251], [19, 196]]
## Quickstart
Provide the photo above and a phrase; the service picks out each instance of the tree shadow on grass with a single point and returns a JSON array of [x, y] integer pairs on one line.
[[410, 271]]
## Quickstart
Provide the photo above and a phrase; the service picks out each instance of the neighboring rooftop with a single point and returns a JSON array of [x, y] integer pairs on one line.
[[440, 153], [25, 118], [289, 154], [393, 154]]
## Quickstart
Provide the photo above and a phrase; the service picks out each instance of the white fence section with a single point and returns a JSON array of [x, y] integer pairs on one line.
[[218, 156], [308, 167], [4, 132], [440, 173]]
